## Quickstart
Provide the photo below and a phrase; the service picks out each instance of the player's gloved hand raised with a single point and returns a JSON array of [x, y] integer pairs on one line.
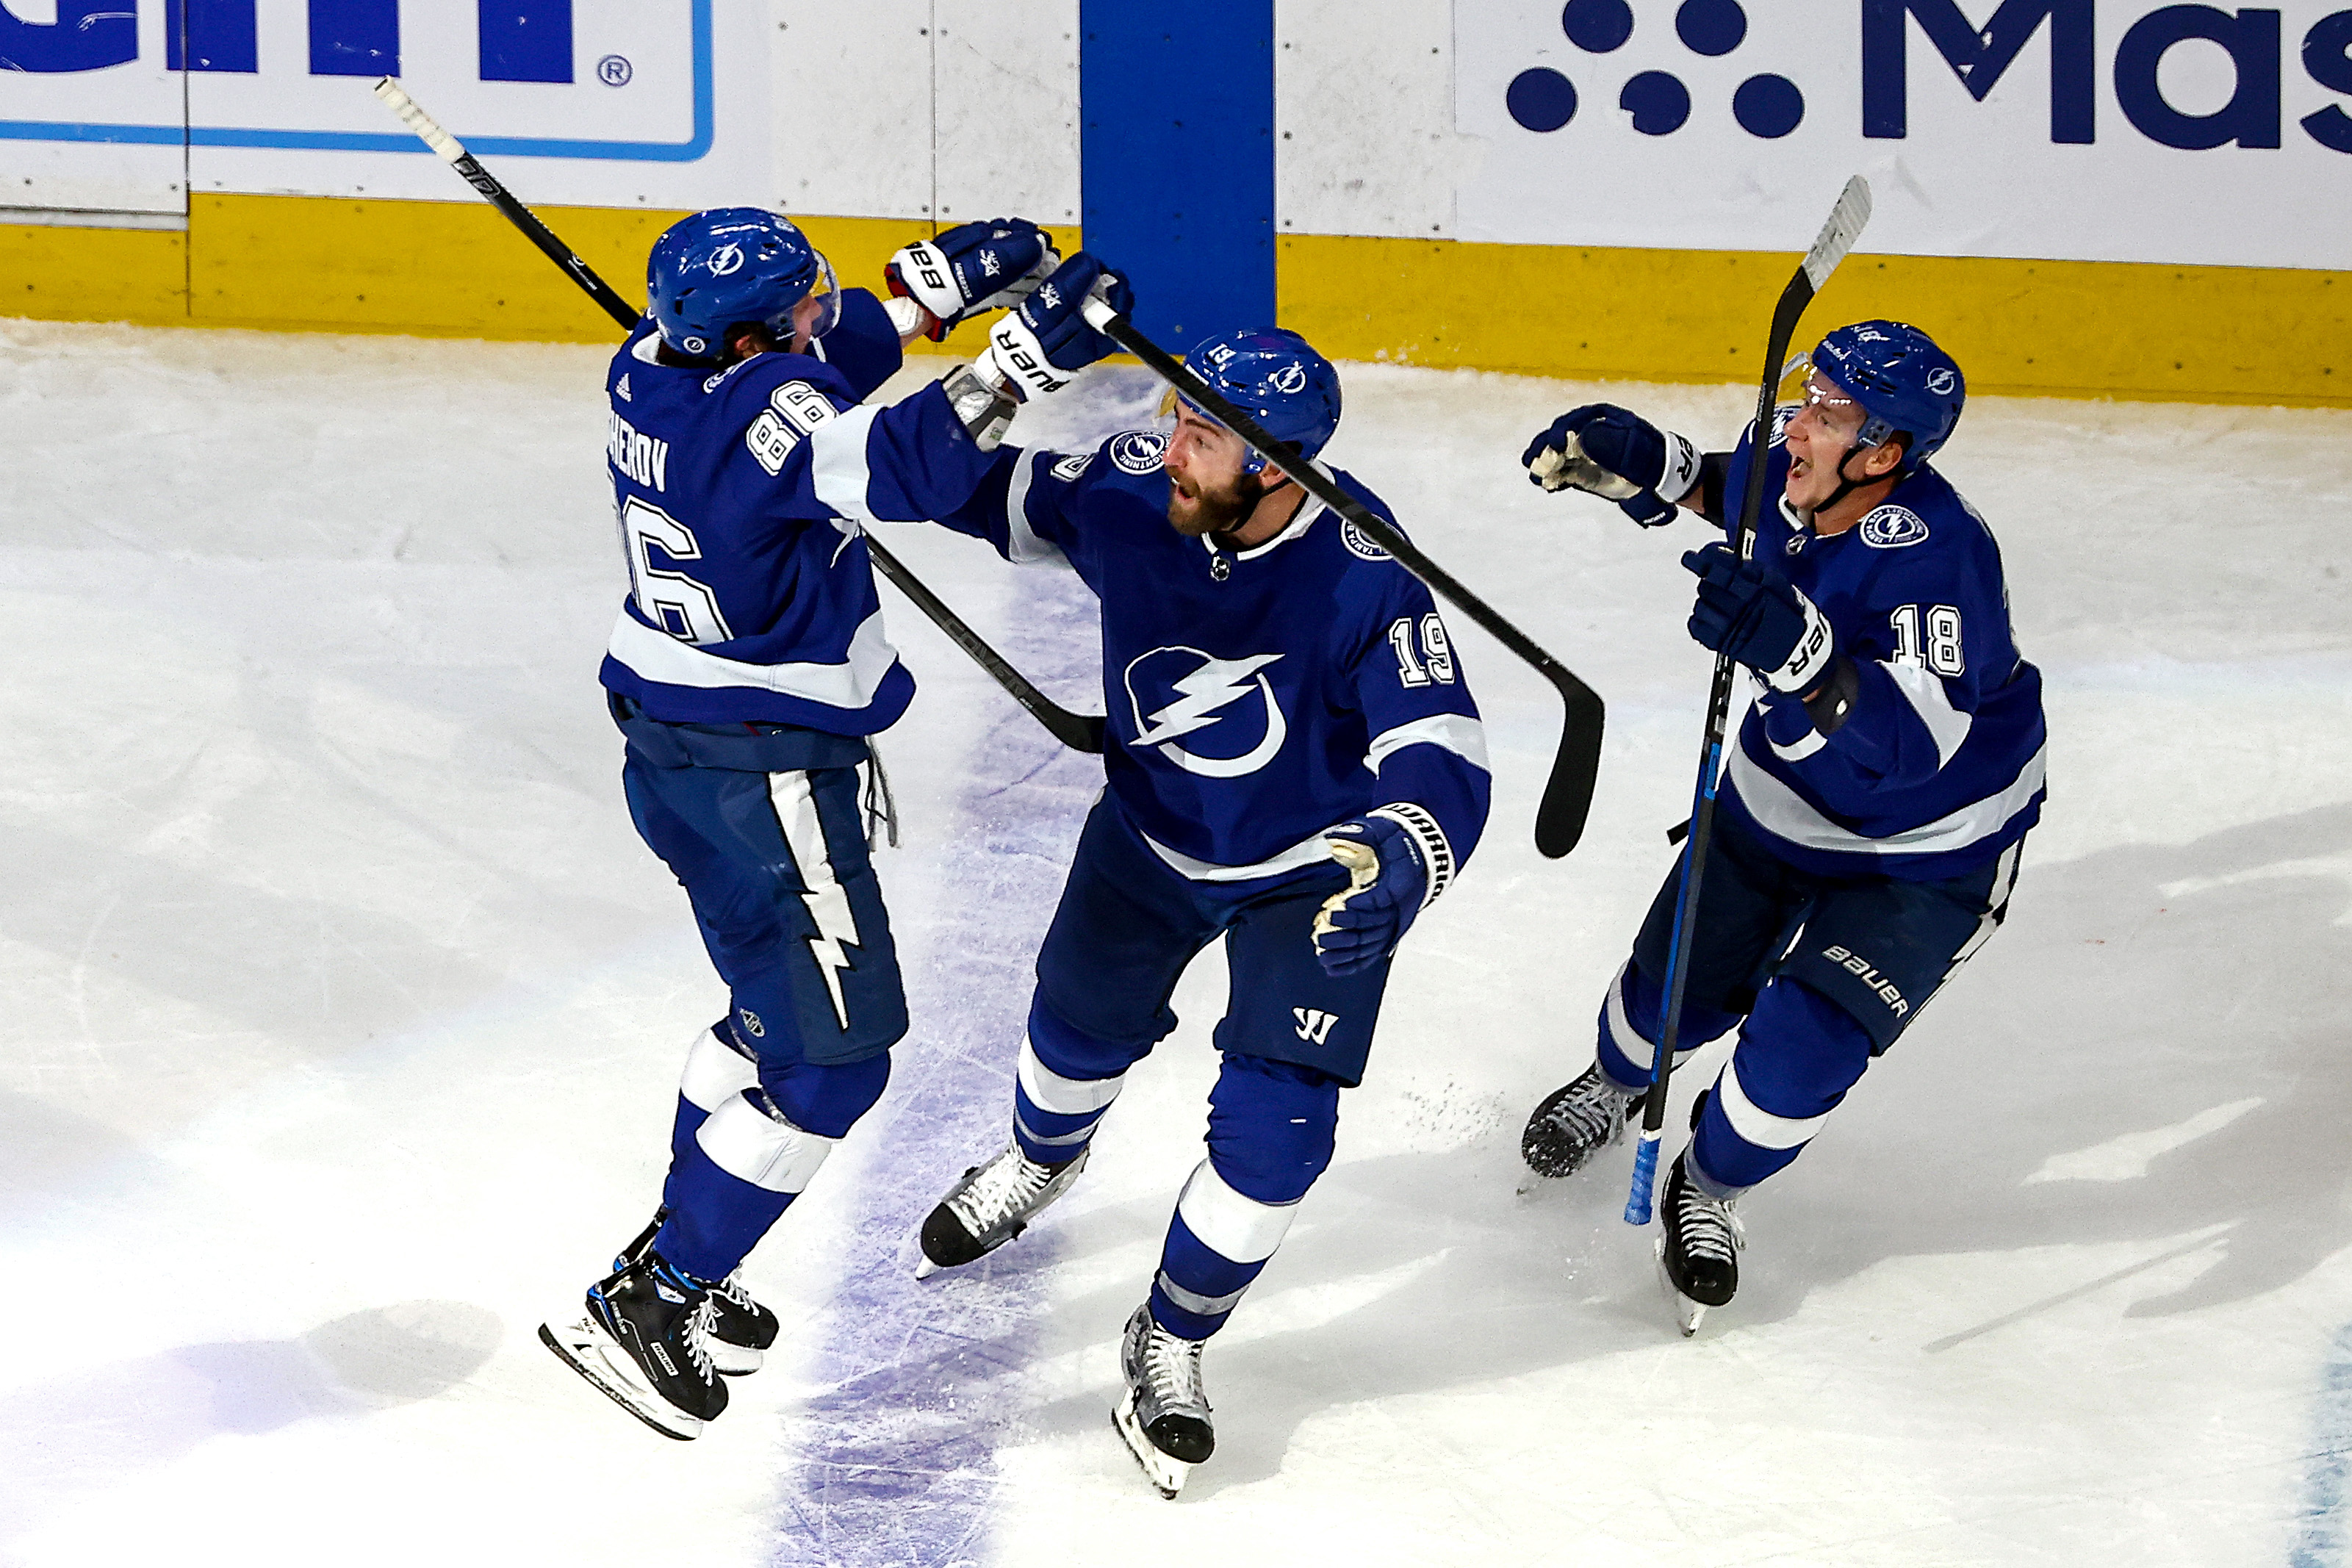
[[1763, 623], [972, 268], [1617, 455], [1040, 346], [1387, 885]]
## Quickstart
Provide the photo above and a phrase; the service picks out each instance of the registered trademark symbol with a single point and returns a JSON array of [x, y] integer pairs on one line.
[[614, 70]]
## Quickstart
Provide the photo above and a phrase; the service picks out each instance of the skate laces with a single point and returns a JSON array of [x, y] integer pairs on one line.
[[1006, 1185], [699, 1327], [1593, 1109], [1172, 1370], [737, 1293], [1711, 1227]]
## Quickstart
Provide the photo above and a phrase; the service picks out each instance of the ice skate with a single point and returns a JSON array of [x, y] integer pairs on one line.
[[1576, 1122], [740, 1329], [1698, 1248], [1163, 1416], [644, 1342], [992, 1203]]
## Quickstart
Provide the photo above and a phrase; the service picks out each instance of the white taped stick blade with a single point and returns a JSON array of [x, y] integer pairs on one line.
[[1838, 234]]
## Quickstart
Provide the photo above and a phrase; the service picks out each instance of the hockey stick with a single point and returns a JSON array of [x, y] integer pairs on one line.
[[1079, 732], [1837, 237], [1568, 794]]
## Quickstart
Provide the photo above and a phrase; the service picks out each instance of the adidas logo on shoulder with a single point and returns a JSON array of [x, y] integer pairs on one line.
[[621, 390]]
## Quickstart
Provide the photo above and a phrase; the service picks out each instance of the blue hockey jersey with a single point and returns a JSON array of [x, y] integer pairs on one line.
[[740, 496], [1255, 699], [1938, 766]]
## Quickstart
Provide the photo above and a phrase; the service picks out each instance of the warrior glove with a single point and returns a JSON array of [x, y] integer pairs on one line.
[[970, 268], [1615, 454], [1388, 883]]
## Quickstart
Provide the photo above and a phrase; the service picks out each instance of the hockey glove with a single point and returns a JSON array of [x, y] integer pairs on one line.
[[1388, 883], [1617, 455], [972, 268], [1039, 347], [1764, 624]]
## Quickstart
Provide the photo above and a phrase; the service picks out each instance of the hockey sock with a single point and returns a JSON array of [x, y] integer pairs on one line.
[[1797, 1056], [717, 1069], [1271, 1131], [1630, 1022], [754, 1155], [1060, 1093]]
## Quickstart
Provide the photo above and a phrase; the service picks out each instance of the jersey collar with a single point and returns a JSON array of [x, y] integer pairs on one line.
[[1309, 510]]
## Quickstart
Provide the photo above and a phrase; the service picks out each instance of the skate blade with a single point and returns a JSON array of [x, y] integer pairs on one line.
[[732, 1360], [1166, 1474], [589, 1350], [924, 1267], [1687, 1313]]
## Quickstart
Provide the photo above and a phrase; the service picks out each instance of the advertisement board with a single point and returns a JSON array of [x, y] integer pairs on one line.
[[2071, 130]]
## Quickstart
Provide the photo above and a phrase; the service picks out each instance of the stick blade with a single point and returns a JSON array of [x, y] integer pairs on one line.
[[1838, 234], [1568, 794]]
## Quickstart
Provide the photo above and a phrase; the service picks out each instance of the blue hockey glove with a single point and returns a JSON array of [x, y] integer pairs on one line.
[[972, 268], [1388, 882], [1763, 623], [1617, 455], [1040, 346]]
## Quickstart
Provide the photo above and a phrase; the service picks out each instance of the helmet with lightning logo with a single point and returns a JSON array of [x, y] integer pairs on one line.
[[1274, 377]]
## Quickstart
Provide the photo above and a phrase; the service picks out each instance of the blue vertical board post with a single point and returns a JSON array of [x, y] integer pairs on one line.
[[1176, 160]]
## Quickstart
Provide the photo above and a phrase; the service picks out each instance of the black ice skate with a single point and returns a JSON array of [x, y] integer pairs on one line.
[[1163, 1417], [1576, 1122], [992, 1203], [740, 1329], [1698, 1247], [644, 1342]]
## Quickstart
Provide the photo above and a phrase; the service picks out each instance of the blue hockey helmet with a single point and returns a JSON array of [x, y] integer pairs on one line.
[[1905, 383], [1273, 376], [722, 269]]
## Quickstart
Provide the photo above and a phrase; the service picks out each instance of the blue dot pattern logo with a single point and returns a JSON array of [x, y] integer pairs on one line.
[[1542, 100]]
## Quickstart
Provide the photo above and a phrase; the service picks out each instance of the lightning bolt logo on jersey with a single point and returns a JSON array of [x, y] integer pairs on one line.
[[1257, 697], [1226, 705]]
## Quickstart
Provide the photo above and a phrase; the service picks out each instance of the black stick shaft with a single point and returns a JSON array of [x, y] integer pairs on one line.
[[1837, 237], [1079, 732], [1568, 794]]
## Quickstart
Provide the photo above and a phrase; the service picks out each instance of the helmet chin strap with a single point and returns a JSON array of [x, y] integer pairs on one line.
[[1847, 483]]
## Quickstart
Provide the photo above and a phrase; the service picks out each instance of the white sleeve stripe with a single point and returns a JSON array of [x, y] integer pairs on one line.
[[1460, 733], [1811, 741], [1023, 546], [1437, 851], [1232, 1226], [1925, 692], [837, 469]]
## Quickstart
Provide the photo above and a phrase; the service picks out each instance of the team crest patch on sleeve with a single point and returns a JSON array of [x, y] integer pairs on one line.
[[1893, 527], [1358, 542], [1138, 451], [1071, 467]]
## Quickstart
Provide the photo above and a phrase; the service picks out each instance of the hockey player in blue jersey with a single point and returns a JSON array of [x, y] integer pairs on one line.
[[1872, 809], [1294, 765], [747, 670]]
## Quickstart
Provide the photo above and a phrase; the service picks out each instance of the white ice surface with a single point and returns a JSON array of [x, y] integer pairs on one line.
[[343, 1011]]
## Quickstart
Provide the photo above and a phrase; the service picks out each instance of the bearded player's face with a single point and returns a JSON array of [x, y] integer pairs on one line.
[[1207, 491]]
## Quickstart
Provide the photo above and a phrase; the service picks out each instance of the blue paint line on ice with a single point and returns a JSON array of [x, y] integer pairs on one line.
[[2320, 1528], [895, 1457]]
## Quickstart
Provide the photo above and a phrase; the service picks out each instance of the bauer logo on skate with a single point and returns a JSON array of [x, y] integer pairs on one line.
[[1871, 979], [1223, 707]]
